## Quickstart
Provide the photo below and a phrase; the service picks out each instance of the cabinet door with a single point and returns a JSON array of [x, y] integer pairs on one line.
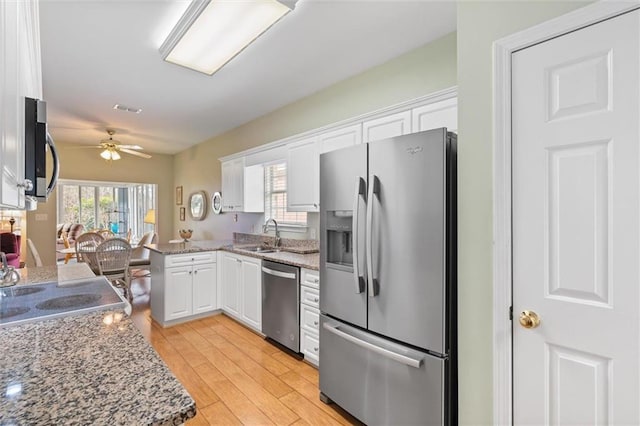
[[204, 288], [227, 185], [387, 127], [433, 116], [179, 292], [303, 192], [253, 192], [231, 289], [238, 184], [341, 138], [251, 309], [11, 107]]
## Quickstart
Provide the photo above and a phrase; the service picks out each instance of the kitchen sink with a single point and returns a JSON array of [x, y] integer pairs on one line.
[[260, 249]]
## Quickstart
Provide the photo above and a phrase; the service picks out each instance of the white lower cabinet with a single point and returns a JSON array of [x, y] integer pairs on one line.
[[242, 289], [310, 315], [183, 286]]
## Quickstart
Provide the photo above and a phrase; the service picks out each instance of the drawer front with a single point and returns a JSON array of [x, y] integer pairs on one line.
[[310, 296], [310, 278], [190, 259], [310, 347], [310, 318]]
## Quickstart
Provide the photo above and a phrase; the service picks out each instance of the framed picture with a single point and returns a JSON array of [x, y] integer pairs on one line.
[[178, 195], [182, 213]]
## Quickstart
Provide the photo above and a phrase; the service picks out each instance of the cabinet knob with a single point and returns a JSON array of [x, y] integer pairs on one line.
[[315, 323], [316, 280], [316, 349], [315, 299], [189, 272]]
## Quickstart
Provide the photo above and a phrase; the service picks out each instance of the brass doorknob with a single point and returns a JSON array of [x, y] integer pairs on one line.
[[529, 319]]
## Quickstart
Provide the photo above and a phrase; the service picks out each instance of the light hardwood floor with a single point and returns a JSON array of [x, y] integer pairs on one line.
[[234, 375]]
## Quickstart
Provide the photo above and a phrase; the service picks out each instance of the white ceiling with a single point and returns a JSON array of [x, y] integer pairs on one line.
[[99, 53]]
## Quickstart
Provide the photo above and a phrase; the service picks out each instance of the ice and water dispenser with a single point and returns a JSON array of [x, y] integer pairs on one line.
[[339, 243]]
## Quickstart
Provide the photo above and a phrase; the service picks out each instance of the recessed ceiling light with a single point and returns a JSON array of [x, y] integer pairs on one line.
[[126, 108], [212, 32]]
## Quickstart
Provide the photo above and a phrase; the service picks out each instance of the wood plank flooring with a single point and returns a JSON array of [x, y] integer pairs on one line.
[[234, 375]]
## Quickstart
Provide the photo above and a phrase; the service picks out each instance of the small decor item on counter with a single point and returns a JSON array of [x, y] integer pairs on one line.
[[182, 214], [178, 195], [185, 234]]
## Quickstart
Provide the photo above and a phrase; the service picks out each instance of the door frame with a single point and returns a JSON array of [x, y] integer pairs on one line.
[[502, 213]]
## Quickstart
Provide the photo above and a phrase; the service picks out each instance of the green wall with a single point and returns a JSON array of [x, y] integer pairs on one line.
[[479, 25], [425, 70]]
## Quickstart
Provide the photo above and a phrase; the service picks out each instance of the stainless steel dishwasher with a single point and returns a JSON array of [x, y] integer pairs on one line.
[[281, 304]]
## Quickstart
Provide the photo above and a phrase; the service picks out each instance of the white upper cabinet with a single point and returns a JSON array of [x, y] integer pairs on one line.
[[303, 183], [233, 185], [340, 138], [438, 114], [387, 127], [254, 189], [20, 76]]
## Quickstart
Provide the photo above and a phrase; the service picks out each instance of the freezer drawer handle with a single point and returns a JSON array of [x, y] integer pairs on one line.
[[404, 359], [360, 192], [278, 273]]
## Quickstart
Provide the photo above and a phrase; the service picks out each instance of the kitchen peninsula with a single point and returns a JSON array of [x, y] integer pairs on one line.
[[194, 279], [93, 368]]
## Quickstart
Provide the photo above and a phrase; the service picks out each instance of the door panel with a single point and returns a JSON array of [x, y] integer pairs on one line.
[[575, 226], [375, 387], [231, 284], [179, 296], [252, 293], [204, 288], [408, 238], [339, 295]]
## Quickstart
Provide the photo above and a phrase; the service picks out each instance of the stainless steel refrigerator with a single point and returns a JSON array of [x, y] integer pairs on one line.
[[388, 279]]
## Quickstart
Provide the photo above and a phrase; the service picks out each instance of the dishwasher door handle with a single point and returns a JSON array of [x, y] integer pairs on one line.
[[279, 273]]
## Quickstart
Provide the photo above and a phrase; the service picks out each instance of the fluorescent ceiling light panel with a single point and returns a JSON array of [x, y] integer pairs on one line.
[[212, 32]]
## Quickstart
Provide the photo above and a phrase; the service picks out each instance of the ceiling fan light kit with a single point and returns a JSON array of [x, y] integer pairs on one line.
[[212, 32], [111, 148], [110, 154]]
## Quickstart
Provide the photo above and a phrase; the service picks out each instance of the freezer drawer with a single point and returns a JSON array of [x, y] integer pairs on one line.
[[378, 381]]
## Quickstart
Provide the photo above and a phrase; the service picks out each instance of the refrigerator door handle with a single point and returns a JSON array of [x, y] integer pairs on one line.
[[374, 189], [401, 358], [361, 189]]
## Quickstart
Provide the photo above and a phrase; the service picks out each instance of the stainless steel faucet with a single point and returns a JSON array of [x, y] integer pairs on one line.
[[265, 228], [8, 275]]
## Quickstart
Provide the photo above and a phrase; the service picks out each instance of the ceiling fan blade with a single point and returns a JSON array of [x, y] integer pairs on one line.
[[136, 153], [83, 146], [138, 147]]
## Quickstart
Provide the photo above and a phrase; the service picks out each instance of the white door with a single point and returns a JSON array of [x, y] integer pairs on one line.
[[204, 288], [252, 293], [303, 187], [575, 226], [178, 296], [387, 127], [231, 284]]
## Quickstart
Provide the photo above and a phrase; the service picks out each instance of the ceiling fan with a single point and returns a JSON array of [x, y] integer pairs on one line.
[[111, 148]]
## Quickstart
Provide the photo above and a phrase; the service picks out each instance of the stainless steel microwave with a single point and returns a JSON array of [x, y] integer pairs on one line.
[[37, 141]]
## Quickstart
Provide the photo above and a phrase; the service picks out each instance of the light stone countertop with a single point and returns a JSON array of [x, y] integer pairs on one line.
[[59, 273], [309, 261], [88, 369], [93, 368]]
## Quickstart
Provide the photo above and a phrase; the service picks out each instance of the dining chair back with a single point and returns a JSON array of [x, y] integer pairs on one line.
[[86, 245], [113, 256], [106, 233]]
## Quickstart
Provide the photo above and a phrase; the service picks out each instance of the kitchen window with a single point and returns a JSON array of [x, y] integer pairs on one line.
[[275, 198]]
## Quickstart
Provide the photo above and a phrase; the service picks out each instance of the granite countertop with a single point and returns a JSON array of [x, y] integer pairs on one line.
[[89, 369], [289, 255], [59, 273]]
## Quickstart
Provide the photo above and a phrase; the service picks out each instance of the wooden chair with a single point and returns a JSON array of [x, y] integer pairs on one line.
[[65, 241], [86, 245], [113, 256], [34, 253], [140, 255]]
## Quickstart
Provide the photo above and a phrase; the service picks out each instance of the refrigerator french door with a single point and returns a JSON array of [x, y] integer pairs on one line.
[[387, 265]]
